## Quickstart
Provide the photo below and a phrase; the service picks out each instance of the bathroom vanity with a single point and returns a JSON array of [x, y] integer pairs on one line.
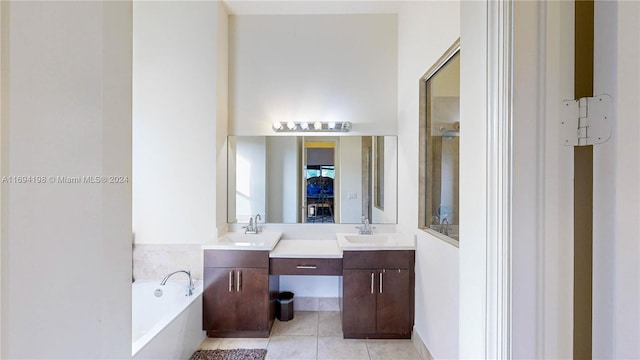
[[241, 282], [378, 288], [239, 294]]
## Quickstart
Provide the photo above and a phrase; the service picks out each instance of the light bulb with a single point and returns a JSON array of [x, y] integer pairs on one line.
[[291, 125], [332, 125], [304, 125], [317, 125], [276, 125]]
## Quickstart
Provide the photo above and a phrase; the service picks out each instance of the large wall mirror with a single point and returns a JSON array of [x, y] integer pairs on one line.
[[440, 146], [312, 179]]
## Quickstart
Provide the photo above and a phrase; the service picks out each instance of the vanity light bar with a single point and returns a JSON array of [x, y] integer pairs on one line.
[[291, 126]]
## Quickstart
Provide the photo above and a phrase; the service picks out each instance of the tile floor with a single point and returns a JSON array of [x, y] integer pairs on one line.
[[317, 336]]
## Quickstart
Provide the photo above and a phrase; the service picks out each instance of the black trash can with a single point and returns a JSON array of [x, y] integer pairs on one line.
[[285, 306]]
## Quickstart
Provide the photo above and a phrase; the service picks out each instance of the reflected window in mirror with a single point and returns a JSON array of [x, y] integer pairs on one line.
[[440, 147], [378, 152]]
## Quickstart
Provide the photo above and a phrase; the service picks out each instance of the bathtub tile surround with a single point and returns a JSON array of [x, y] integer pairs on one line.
[[292, 340], [155, 261]]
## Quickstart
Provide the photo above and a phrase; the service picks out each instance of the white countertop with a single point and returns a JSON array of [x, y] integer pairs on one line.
[[306, 249], [329, 248], [240, 241], [376, 241]]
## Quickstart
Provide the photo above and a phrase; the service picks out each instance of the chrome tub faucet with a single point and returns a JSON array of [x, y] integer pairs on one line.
[[190, 286]]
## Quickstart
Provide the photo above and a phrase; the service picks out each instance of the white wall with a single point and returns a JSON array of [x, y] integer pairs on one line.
[[66, 90], [473, 180], [627, 178], [313, 67], [179, 114], [616, 319], [425, 31], [604, 199], [542, 242], [3, 160]]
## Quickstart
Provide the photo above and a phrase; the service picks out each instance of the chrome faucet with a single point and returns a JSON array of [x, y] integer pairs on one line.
[[253, 227], [366, 228], [190, 286], [445, 226]]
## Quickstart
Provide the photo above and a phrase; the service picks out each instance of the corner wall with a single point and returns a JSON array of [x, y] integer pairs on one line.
[[179, 118], [66, 113], [425, 31]]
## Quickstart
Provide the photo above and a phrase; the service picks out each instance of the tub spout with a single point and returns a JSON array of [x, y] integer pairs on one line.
[[190, 286]]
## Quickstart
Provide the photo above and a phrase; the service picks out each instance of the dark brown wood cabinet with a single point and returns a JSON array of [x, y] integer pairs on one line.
[[378, 294], [239, 294]]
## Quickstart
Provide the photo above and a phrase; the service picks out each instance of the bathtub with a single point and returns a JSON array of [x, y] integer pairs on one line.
[[168, 326]]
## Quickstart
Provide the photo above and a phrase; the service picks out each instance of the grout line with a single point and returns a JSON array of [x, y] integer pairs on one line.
[[318, 336]]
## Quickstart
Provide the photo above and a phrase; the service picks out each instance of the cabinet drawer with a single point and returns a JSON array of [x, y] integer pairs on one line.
[[236, 258], [382, 259], [305, 266]]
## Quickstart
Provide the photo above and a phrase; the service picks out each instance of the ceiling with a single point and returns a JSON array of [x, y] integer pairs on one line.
[[304, 7]]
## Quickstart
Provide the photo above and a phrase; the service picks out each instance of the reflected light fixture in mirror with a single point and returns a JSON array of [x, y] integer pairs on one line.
[[332, 126]]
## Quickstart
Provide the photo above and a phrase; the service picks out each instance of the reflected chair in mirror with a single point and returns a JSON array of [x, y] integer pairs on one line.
[[320, 198]]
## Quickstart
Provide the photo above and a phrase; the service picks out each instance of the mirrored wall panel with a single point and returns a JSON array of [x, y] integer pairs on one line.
[[440, 146], [312, 179]]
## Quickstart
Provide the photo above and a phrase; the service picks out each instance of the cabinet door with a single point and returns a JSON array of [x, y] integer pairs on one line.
[[252, 299], [219, 299], [394, 303], [359, 301]]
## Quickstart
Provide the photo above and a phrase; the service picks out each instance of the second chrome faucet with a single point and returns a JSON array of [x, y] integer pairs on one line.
[[253, 227], [366, 228]]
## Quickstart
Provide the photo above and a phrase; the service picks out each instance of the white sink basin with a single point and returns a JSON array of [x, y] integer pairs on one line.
[[396, 241], [368, 239], [242, 241]]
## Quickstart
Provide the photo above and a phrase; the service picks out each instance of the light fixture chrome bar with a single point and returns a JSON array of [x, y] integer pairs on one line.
[[291, 126]]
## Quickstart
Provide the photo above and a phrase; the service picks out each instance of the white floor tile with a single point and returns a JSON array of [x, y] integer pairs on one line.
[[243, 343], [337, 348], [303, 323], [392, 350], [292, 347]]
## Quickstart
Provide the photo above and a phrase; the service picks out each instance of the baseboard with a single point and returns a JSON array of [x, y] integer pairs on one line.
[[420, 346], [316, 304]]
